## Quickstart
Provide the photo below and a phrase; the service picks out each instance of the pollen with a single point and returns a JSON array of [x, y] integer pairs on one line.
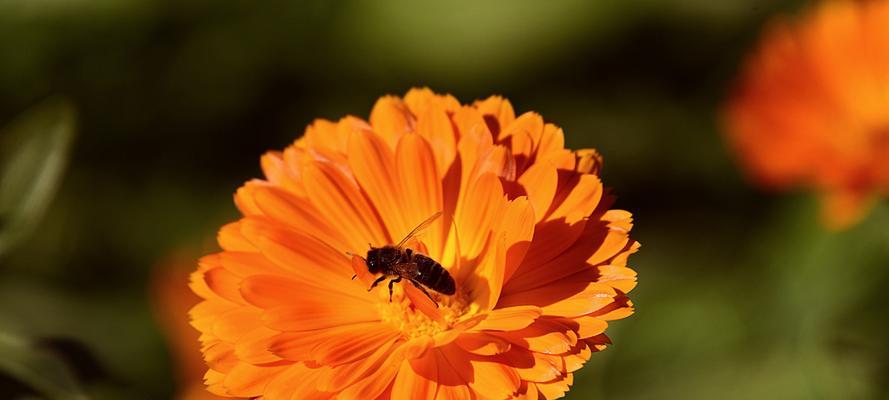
[[412, 322]]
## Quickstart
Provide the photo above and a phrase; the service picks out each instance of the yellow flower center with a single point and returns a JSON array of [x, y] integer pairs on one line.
[[413, 323]]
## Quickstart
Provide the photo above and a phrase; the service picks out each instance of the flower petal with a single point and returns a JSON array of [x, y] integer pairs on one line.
[[482, 344], [342, 204], [372, 163], [417, 379], [420, 184], [509, 318], [248, 380], [435, 126], [391, 119], [338, 378]]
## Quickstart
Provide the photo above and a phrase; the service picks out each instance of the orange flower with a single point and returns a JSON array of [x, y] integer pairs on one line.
[[811, 108], [527, 232]]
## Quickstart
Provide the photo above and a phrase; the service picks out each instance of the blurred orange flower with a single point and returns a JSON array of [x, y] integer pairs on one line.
[[528, 234], [812, 107]]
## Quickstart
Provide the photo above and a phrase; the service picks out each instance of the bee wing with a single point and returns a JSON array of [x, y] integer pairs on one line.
[[416, 231]]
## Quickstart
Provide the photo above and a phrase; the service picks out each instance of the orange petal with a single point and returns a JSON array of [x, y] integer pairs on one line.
[[556, 388], [424, 304], [220, 356], [517, 227], [359, 266], [589, 326], [342, 204], [247, 380], [338, 378], [269, 291], [296, 213], [253, 347], [230, 238], [203, 315], [244, 264], [417, 379], [306, 317], [224, 283], [530, 123], [377, 382], [451, 385], [493, 380], [295, 382], [277, 171], [435, 126], [621, 278], [589, 161], [213, 380], [417, 347], [509, 319], [528, 391], [596, 244], [482, 344], [498, 160], [420, 184], [341, 349], [297, 346], [485, 283], [552, 140], [540, 182], [373, 164], [476, 217], [391, 119], [572, 296], [532, 366], [577, 358], [303, 257], [419, 99], [470, 123], [196, 280], [499, 109], [551, 239], [543, 336], [578, 199], [230, 325]]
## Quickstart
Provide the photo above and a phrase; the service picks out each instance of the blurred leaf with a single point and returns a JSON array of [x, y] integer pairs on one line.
[[34, 151], [37, 368]]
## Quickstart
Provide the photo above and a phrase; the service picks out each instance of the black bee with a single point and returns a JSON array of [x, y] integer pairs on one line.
[[401, 263]]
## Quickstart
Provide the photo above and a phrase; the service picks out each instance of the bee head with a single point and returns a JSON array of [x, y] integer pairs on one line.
[[374, 260]]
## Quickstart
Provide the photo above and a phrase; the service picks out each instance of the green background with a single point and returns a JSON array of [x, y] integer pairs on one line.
[[131, 123]]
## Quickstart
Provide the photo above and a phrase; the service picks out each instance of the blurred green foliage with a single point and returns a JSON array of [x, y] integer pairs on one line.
[[34, 153], [742, 294]]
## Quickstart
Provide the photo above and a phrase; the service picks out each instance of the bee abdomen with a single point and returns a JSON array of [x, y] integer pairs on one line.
[[434, 276]]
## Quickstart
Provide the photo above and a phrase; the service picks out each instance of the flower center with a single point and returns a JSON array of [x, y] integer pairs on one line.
[[413, 322]]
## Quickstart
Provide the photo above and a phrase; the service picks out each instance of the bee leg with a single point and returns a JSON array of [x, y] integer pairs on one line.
[[425, 292], [354, 276], [392, 282], [376, 282]]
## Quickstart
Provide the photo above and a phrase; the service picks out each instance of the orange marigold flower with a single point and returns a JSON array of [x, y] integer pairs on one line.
[[527, 232], [811, 108]]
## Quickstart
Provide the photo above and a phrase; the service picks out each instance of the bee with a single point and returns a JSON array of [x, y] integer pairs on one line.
[[399, 263]]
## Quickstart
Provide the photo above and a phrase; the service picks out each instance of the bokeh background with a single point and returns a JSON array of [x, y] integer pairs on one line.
[[129, 124]]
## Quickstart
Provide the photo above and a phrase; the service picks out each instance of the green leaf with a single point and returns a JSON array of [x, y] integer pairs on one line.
[[37, 368], [34, 151]]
